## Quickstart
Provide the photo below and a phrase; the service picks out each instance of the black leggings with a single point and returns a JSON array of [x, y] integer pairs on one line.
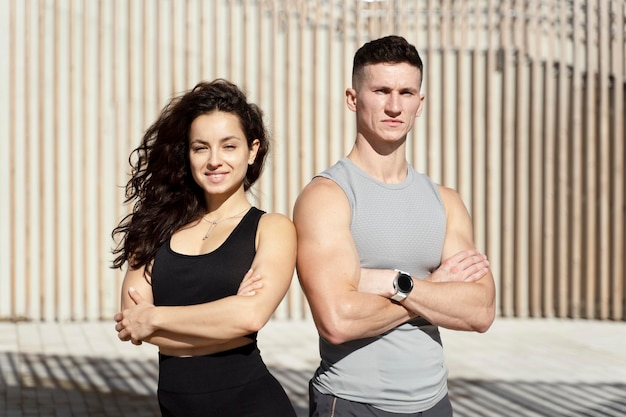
[[233, 383]]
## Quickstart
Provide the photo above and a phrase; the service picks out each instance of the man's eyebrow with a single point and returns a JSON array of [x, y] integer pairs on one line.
[[388, 88]]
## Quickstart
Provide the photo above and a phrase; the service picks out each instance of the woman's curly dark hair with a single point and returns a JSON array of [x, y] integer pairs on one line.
[[164, 193]]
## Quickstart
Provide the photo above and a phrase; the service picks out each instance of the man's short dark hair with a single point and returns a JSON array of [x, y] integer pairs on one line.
[[389, 49]]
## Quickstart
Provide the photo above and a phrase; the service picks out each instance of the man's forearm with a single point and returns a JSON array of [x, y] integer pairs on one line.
[[453, 305]]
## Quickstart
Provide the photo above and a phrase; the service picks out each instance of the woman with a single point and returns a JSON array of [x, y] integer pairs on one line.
[[196, 251]]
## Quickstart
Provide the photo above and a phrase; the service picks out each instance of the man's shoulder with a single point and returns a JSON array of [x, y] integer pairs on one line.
[[327, 180], [451, 199], [336, 169], [320, 195], [320, 186], [448, 193]]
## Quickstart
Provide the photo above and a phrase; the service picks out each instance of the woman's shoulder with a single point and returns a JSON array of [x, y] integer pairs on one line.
[[275, 217], [275, 220]]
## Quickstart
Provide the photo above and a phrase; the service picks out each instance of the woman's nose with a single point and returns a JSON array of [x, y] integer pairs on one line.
[[214, 159]]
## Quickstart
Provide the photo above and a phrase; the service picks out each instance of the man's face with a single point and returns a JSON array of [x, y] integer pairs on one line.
[[386, 98]]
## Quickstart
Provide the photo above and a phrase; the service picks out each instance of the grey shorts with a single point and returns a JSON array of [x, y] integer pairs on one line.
[[323, 405]]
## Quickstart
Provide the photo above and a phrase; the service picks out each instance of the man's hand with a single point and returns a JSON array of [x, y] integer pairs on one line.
[[464, 266], [250, 284], [134, 323]]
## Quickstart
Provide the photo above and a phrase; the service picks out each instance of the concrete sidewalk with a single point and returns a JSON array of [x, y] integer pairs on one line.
[[518, 368]]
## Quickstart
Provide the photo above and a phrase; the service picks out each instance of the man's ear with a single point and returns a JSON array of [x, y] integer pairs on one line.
[[351, 98], [418, 113]]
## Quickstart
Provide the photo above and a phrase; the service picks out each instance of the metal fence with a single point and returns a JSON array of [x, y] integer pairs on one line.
[[524, 116]]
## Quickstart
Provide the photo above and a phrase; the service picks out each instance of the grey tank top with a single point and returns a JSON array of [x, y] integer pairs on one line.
[[394, 226]]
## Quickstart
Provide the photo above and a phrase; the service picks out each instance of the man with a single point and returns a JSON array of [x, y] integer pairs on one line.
[[385, 256]]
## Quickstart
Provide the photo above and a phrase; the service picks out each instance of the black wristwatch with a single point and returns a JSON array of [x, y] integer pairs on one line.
[[403, 284]]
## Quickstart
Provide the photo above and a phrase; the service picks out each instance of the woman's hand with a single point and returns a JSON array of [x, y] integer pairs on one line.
[[250, 284], [134, 323]]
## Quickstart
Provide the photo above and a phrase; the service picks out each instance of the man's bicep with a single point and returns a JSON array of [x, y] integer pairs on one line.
[[328, 273], [327, 262], [459, 228]]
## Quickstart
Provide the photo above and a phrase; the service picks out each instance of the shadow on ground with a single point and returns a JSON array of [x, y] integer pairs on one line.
[[51, 385], [472, 398]]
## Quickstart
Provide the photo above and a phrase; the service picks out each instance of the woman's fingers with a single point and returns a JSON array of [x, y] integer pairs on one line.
[[250, 284]]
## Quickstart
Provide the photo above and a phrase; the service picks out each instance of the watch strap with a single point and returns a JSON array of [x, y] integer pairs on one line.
[[399, 295]]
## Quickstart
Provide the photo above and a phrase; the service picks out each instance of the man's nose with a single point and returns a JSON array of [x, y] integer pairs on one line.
[[393, 105]]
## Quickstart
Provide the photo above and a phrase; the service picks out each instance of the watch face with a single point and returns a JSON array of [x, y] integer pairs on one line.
[[405, 283]]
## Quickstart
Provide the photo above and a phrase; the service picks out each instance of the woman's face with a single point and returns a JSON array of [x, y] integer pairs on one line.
[[219, 154]]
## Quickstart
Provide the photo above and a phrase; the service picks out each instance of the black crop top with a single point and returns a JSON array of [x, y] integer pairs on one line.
[[180, 280]]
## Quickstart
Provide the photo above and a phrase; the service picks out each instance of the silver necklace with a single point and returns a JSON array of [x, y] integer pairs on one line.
[[213, 223]]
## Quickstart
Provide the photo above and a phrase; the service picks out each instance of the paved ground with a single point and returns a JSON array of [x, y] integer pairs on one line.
[[524, 368]]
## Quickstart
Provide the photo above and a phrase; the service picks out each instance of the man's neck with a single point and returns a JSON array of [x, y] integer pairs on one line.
[[390, 168]]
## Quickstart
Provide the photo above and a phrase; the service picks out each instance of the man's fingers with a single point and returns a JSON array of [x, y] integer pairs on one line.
[[461, 256], [465, 266], [477, 275], [477, 260]]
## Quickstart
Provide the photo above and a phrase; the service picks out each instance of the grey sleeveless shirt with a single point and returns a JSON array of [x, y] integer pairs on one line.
[[395, 226]]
